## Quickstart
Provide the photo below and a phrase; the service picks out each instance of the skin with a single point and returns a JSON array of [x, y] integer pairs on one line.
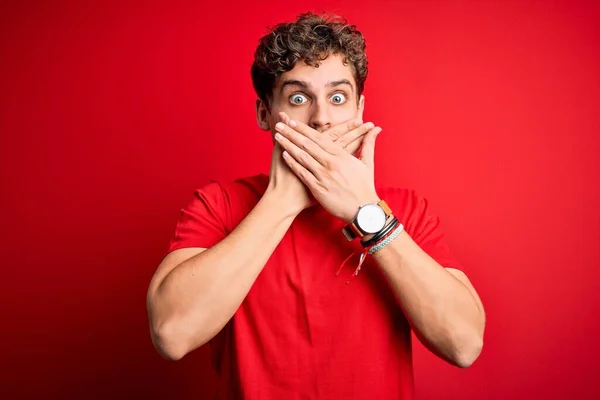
[[312, 117], [440, 303], [322, 98], [195, 291]]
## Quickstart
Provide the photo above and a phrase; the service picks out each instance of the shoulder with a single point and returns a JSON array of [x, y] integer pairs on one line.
[[226, 190], [214, 209], [232, 199], [403, 199]]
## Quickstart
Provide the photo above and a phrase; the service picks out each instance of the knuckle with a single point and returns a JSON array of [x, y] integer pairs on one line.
[[320, 141], [320, 188], [303, 143], [331, 165], [306, 176], [304, 156], [334, 134]]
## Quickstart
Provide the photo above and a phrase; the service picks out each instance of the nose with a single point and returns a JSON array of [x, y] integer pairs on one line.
[[319, 119]]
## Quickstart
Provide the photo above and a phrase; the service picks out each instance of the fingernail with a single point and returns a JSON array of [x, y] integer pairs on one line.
[[358, 122], [292, 123], [279, 126], [278, 136], [370, 125]]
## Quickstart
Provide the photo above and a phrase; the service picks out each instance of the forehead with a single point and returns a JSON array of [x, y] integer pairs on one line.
[[330, 69]]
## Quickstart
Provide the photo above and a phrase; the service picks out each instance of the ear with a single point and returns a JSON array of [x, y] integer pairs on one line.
[[361, 107], [262, 115]]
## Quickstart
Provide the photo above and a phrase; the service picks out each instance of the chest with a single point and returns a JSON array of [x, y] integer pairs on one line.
[[303, 276]]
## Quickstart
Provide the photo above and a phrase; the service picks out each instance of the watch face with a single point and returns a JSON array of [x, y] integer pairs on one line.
[[371, 218]]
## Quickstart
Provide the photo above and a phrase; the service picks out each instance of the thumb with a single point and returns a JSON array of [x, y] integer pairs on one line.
[[367, 154]]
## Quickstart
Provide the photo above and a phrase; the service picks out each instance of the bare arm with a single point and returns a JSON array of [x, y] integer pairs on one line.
[[195, 292], [441, 305]]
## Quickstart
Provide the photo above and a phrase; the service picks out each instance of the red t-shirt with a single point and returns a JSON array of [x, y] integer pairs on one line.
[[302, 332]]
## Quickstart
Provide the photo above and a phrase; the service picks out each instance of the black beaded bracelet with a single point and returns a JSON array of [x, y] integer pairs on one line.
[[381, 234]]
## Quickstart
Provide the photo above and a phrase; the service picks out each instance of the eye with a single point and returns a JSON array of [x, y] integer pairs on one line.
[[338, 98], [298, 99]]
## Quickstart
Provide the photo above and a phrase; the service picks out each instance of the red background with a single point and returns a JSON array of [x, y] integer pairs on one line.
[[111, 115]]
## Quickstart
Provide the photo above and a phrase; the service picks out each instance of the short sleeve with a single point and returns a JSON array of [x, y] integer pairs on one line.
[[420, 223], [203, 221], [428, 234]]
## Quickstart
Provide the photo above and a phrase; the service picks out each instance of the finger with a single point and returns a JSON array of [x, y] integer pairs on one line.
[[298, 126], [354, 134], [352, 147], [299, 154], [300, 171], [337, 131], [324, 141], [283, 117], [368, 150], [309, 140]]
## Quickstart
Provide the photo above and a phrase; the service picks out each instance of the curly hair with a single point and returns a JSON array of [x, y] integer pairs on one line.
[[311, 38]]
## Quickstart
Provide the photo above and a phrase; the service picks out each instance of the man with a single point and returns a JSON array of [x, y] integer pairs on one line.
[[254, 266]]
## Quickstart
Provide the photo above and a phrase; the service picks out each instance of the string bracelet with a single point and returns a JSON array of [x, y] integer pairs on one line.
[[374, 247]]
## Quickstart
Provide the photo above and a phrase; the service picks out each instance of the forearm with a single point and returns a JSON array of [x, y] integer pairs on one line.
[[442, 310], [444, 313], [199, 296]]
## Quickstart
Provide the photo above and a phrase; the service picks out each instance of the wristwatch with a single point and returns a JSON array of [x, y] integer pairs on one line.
[[371, 218]]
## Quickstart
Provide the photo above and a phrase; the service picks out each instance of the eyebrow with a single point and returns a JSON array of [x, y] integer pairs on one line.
[[306, 85]]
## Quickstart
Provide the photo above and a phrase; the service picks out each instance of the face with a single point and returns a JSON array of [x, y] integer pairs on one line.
[[319, 97]]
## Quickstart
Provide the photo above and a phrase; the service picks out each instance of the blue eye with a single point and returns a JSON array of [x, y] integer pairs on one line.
[[298, 99], [338, 98]]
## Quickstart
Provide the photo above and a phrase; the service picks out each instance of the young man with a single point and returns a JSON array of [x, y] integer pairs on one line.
[[259, 269]]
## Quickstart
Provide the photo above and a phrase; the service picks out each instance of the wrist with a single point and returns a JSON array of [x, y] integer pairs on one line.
[[274, 200], [370, 236], [351, 215]]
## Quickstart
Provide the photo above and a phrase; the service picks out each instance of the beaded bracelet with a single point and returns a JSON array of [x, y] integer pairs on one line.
[[387, 240]]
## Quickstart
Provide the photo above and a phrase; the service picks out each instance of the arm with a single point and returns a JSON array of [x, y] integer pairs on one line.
[[441, 305], [195, 292]]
